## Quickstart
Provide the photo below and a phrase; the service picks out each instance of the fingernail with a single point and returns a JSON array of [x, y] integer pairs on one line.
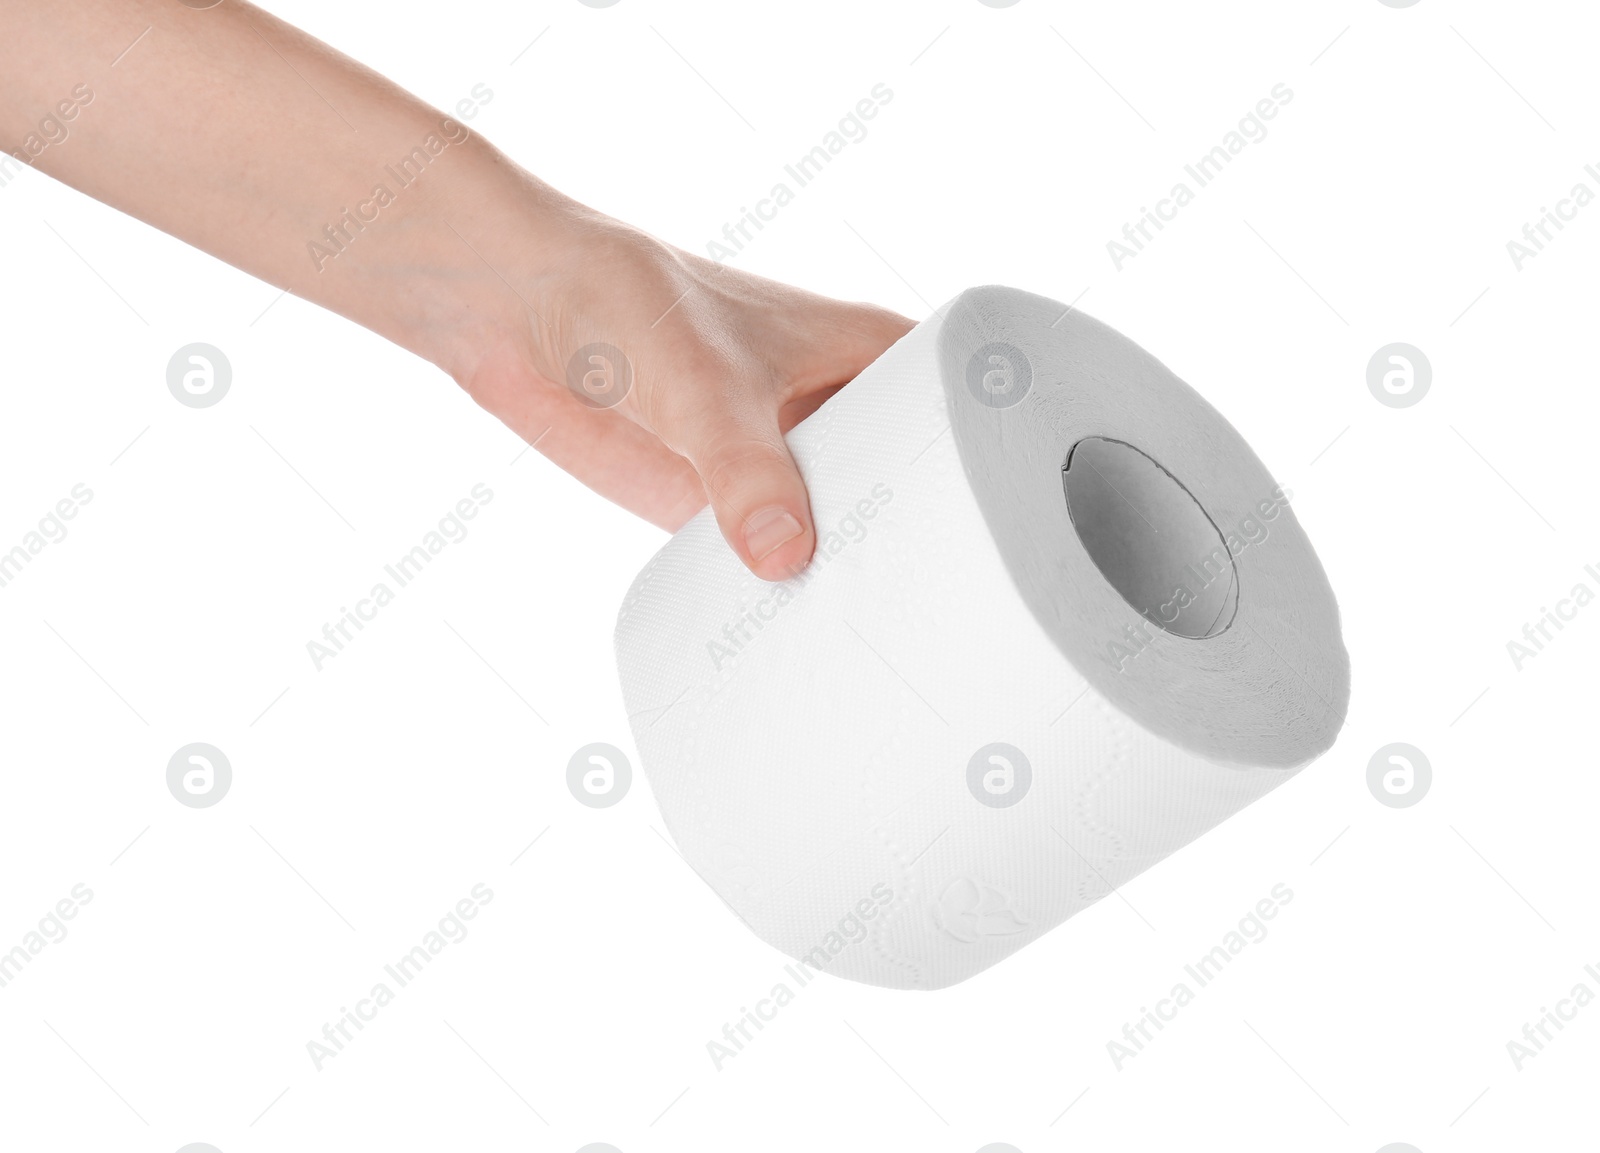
[[769, 530]]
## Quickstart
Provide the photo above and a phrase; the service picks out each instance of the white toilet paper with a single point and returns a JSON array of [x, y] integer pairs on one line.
[[982, 708]]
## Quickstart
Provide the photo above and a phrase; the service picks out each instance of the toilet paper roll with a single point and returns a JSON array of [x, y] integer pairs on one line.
[[1060, 622]]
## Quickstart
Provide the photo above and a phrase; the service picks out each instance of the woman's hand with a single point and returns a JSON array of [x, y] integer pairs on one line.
[[320, 176], [663, 380]]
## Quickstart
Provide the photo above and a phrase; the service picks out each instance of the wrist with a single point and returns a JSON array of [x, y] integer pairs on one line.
[[545, 275], [459, 260], [501, 243]]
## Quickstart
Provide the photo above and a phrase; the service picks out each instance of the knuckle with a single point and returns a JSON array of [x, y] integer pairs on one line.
[[728, 465]]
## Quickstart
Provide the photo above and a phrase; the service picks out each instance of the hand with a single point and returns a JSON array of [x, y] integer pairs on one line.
[[471, 262], [721, 362]]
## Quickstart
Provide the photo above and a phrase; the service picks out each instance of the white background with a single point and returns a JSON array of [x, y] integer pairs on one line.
[[370, 797]]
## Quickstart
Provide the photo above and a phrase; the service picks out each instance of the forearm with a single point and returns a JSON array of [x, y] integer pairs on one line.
[[254, 142]]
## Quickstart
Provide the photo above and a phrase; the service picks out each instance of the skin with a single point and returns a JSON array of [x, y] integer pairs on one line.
[[243, 136]]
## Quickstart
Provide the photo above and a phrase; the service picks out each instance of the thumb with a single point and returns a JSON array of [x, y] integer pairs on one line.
[[756, 492]]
